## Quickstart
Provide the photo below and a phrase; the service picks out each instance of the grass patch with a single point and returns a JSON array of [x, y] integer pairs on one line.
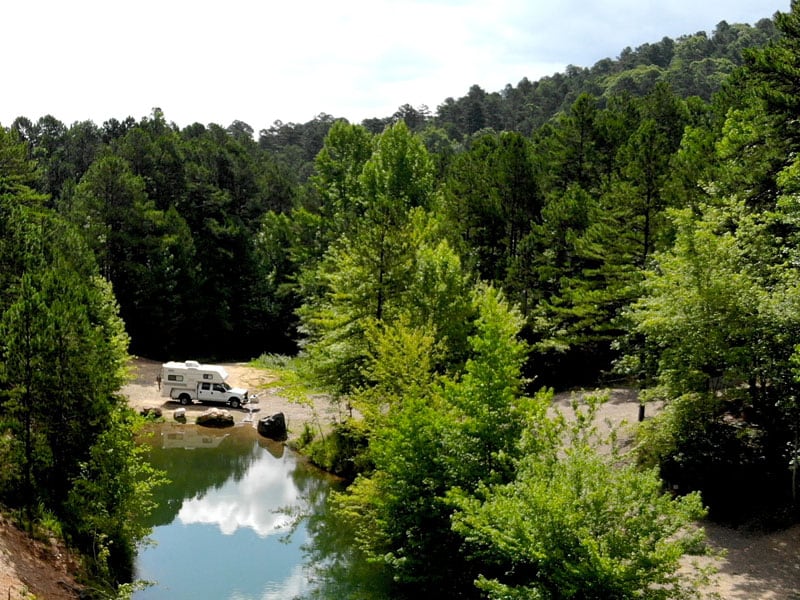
[[291, 374], [294, 381], [338, 448]]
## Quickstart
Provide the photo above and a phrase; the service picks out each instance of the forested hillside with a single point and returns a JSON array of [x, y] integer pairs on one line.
[[634, 221], [692, 65]]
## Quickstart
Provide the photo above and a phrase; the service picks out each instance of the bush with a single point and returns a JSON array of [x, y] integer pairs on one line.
[[577, 526], [698, 445], [343, 451]]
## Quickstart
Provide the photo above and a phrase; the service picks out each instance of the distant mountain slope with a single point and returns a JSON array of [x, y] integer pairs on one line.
[[694, 65]]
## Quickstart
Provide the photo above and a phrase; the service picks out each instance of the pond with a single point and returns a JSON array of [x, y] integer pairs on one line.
[[243, 518]]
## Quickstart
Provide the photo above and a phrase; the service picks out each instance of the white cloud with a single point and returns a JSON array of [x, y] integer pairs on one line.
[[261, 61]]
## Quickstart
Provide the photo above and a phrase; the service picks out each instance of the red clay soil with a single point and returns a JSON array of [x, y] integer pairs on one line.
[[34, 569]]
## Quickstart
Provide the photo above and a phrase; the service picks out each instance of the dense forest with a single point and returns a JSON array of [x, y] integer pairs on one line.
[[636, 222]]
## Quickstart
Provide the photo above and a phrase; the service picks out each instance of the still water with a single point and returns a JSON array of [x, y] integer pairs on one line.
[[243, 518]]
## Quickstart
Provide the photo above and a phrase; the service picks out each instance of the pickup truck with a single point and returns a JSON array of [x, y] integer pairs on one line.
[[206, 391]]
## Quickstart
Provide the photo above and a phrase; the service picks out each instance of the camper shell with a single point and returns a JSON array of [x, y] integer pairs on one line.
[[191, 381]]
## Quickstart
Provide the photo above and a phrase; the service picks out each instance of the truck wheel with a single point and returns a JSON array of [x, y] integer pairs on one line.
[[185, 399], [234, 402]]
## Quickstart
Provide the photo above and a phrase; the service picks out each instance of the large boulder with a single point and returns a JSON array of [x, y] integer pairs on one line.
[[215, 417], [273, 427]]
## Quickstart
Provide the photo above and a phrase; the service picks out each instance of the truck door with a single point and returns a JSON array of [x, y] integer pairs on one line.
[[205, 393]]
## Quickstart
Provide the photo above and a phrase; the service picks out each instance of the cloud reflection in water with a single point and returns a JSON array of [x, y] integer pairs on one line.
[[257, 501]]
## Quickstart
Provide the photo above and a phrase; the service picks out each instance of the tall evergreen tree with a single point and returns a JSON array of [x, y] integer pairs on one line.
[[62, 361], [492, 195]]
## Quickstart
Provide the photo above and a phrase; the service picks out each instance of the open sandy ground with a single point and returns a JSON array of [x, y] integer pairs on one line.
[[754, 566]]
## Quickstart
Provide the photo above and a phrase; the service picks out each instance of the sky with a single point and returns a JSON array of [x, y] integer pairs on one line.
[[262, 61]]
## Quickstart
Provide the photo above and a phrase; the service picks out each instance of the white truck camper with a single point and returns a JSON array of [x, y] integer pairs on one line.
[[191, 381]]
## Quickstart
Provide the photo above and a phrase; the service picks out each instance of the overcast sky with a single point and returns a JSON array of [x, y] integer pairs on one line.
[[259, 61]]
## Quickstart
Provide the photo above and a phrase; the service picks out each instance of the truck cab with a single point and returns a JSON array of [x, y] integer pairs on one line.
[[221, 393]]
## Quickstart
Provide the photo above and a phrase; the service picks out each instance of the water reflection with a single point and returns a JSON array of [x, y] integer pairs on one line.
[[190, 438], [228, 526], [255, 501]]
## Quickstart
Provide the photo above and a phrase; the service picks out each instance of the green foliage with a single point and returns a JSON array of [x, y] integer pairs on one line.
[[487, 396], [707, 329], [438, 292], [17, 171], [292, 374], [112, 492], [690, 433], [423, 441], [773, 70], [146, 253], [583, 274], [637, 81], [171, 216], [720, 318], [752, 153], [577, 520], [342, 451], [398, 511], [337, 179], [491, 197], [62, 360], [377, 280], [470, 472], [401, 363], [578, 526], [398, 175], [63, 355], [607, 188], [365, 276]]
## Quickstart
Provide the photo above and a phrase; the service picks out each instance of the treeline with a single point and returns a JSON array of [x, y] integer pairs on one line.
[[436, 272], [173, 218]]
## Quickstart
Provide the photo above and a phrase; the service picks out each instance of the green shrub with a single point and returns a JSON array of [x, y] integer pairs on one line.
[[343, 451]]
